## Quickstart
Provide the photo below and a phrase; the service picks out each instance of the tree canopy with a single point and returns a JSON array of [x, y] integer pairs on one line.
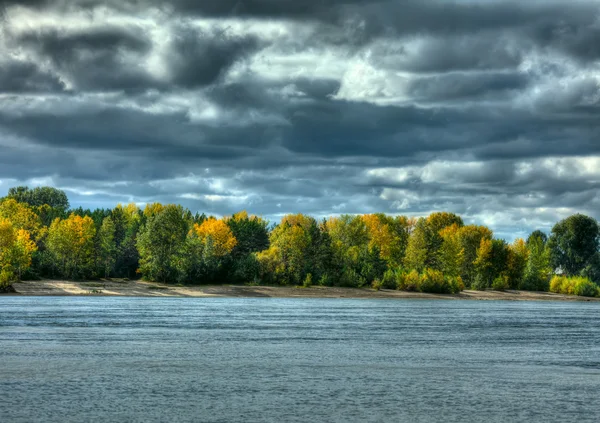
[[41, 237]]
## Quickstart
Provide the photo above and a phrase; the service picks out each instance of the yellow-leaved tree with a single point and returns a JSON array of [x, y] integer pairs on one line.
[[16, 248], [22, 216], [217, 235], [71, 243]]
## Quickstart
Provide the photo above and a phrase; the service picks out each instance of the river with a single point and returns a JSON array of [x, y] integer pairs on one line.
[[86, 359]]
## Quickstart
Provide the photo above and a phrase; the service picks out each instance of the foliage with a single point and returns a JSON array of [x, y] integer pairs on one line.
[[16, 249], [538, 269], [501, 283], [71, 245], [42, 238], [576, 285], [451, 253], [483, 265], [107, 246], [417, 249], [430, 281], [219, 232], [40, 196], [251, 233], [161, 242], [516, 265], [573, 243]]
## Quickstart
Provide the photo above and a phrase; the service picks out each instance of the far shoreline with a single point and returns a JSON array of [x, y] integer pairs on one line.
[[127, 288]]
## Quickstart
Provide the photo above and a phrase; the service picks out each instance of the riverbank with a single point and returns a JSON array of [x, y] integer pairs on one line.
[[127, 288]]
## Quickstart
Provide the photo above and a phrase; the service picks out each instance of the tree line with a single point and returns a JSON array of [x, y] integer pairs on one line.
[[42, 237]]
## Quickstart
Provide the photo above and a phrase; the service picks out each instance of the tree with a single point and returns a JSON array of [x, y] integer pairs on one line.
[[251, 233], [537, 234], [385, 237], [40, 196], [451, 253], [290, 256], [128, 221], [518, 256], [592, 269], [470, 239], [418, 248], [538, 269], [107, 247], [483, 265], [22, 216], [161, 241], [573, 242], [16, 249], [219, 234], [71, 244]]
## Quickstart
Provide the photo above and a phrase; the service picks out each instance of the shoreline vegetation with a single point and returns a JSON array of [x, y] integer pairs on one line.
[[126, 288], [43, 239]]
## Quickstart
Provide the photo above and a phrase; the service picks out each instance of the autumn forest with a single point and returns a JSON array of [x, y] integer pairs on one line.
[[42, 237]]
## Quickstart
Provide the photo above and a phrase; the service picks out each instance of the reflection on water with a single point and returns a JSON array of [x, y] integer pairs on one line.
[[286, 360]]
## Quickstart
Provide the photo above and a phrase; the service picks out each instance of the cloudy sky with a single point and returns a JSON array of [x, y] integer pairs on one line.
[[487, 108]]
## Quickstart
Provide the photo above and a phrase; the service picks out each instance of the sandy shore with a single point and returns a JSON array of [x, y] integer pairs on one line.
[[148, 289]]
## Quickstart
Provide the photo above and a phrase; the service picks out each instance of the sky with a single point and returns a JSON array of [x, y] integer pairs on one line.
[[486, 108]]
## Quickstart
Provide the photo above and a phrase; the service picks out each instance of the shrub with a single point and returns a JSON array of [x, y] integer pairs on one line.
[[558, 284], [433, 281], [307, 281], [574, 286], [390, 279], [325, 280], [408, 281], [456, 284], [377, 284], [480, 283], [351, 278], [500, 283], [534, 283]]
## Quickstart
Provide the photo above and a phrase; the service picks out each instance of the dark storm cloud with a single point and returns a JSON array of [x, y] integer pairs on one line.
[[105, 58], [27, 77], [198, 59], [488, 108]]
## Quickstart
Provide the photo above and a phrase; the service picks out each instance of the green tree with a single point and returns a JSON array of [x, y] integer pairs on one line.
[[418, 248], [251, 233], [107, 247], [161, 241], [573, 242], [40, 196], [538, 269], [451, 253]]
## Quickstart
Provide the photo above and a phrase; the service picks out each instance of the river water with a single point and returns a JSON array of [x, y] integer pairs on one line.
[[102, 359]]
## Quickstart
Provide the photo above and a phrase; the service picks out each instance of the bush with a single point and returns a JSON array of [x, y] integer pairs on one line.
[[6, 278], [408, 281], [480, 283], [433, 281], [456, 284], [574, 286], [500, 283], [325, 280], [430, 281], [390, 279], [534, 283], [377, 284], [307, 281], [350, 278]]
